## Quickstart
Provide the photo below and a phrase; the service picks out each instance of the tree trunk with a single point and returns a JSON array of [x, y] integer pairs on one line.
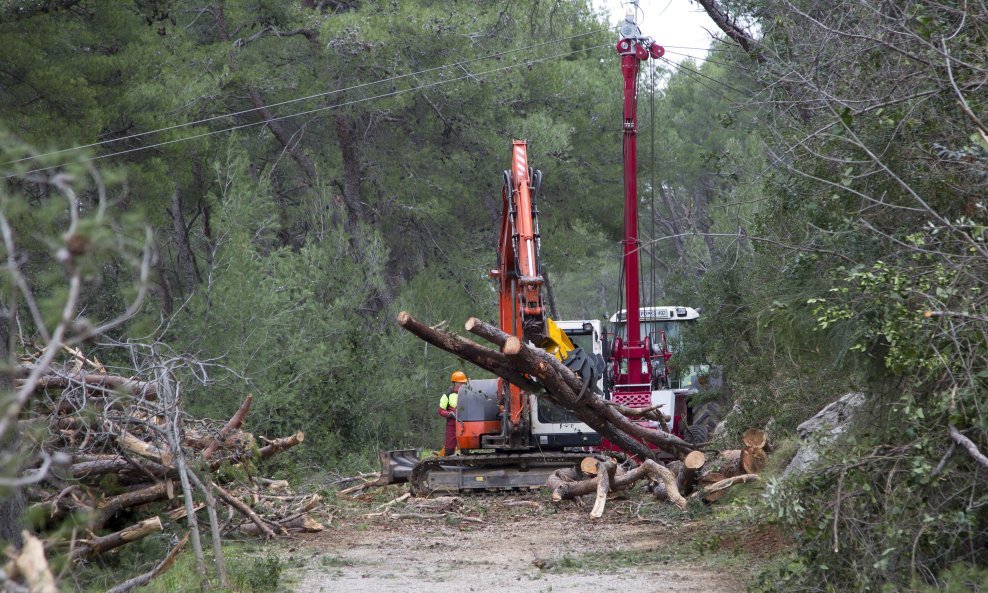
[[185, 261], [11, 501], [346, 135]]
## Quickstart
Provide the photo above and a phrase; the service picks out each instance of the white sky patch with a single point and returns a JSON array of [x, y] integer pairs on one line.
[[681, 26]]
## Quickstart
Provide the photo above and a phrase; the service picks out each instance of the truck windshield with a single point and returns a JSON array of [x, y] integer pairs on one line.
[[652, 329]]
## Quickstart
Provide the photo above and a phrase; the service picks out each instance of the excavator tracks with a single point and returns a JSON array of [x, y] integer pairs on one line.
[[486, 473]]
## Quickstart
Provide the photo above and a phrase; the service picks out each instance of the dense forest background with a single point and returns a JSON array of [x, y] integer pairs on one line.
[[283, 177]]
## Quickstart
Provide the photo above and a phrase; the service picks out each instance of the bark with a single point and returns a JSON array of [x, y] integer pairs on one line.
[[113, 505], [730, 462], [98, 545], [718, 14], [11, 501], [122, 466], [233, 424], [346, 135], [189, 274]]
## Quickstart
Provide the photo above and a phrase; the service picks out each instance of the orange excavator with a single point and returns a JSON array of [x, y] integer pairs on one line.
[[509, 439]]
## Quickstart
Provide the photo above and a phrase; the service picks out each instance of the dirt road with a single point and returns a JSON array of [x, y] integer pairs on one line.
[[525, 550]]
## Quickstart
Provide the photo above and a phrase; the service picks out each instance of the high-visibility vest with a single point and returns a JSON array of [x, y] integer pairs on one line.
[[448, 400]]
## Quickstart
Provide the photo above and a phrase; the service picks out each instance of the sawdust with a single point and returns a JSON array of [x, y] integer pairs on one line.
[[524, 551]]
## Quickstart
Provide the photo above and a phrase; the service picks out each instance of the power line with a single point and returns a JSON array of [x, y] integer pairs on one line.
[[724, 64], [311, 111], [701, 75], [307, 98]]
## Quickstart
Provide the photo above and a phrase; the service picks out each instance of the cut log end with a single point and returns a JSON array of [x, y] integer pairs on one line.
[[753, 460], [694, 460], [403, 318], [754, 437], [512, 346]]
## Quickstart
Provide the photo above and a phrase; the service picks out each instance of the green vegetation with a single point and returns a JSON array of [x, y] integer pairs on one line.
[[821, 197]]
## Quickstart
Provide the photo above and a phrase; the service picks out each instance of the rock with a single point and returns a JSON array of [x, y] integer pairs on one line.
[[821, 430]]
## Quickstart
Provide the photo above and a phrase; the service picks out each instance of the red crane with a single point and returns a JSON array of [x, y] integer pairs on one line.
[[632, 370]]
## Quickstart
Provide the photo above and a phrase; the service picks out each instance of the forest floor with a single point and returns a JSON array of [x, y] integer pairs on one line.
[[524, 543]]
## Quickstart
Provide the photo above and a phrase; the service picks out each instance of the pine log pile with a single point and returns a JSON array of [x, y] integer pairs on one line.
[[695, 477], [125, 453]]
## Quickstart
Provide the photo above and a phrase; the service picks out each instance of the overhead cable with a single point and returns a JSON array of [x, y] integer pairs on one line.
[[307, 98], [311, 111]]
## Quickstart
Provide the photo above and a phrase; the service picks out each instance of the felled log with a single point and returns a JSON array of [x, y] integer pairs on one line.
[[98, 545], [135, 445], [565, 388], [753, 460], [502, 366], [729, 463], [279, 445], [145, 389], [687, 475], [233, 424], [482, 356], [300, 523], [565, 483], [109, 507]]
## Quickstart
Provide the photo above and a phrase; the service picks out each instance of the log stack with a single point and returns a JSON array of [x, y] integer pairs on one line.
[[128, 449]]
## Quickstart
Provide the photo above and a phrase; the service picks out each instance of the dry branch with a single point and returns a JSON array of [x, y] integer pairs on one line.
[[279, 445], [714, 491], [233, 424], [243, 508]]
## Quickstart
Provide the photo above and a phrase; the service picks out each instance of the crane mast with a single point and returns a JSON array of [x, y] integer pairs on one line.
[[632, 370]]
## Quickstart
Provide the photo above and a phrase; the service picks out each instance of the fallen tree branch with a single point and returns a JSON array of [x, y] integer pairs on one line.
[[233, 424], [243, 508], [147, 577], [278, 445], [968, 444]]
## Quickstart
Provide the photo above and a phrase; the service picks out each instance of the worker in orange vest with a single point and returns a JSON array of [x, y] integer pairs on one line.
[[447, 409]]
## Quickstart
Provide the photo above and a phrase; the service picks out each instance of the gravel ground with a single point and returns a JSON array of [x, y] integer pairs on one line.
[[523, 551]]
